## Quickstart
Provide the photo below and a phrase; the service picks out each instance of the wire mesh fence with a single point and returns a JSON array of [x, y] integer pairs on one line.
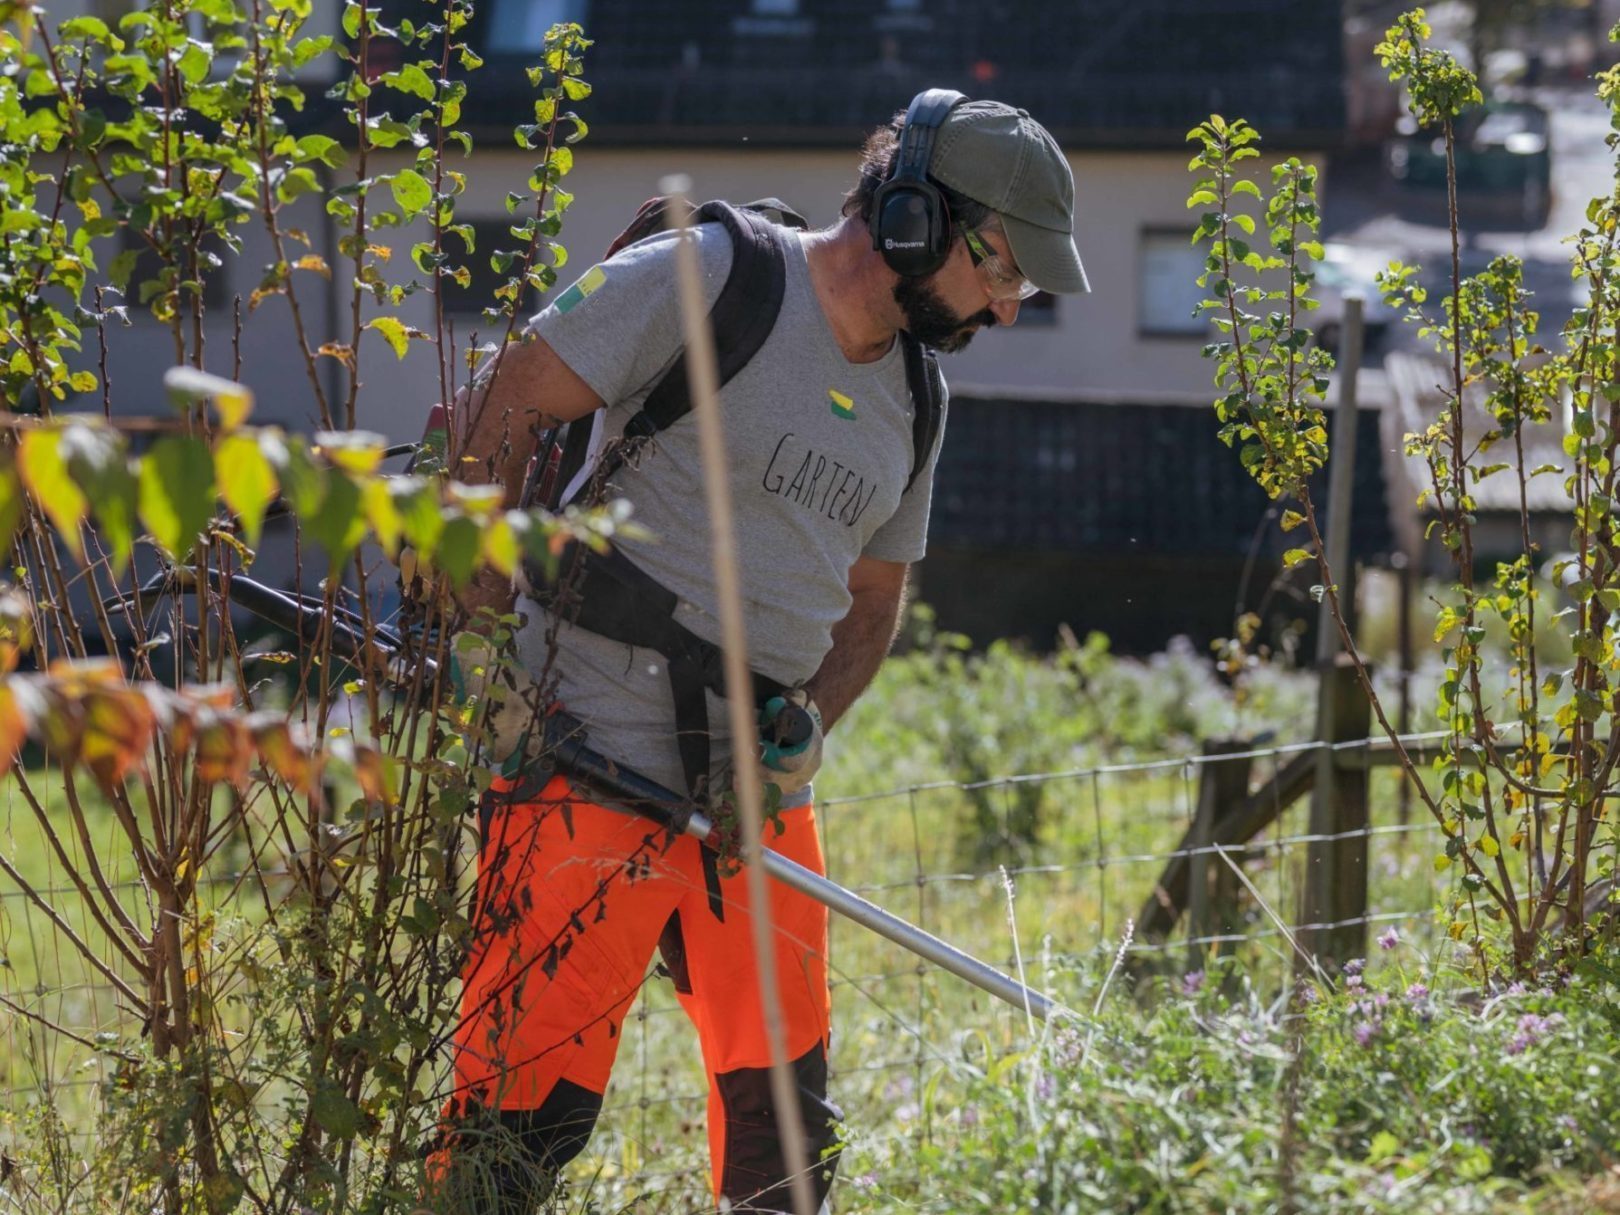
[[1032, 872]]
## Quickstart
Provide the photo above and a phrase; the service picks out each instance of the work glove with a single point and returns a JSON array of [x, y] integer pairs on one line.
[[790, 739], [504, 698]]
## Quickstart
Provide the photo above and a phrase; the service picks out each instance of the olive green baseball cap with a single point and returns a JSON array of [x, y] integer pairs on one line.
[[1003, 158]]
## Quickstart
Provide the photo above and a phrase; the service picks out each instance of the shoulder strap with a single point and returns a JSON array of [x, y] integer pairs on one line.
[[742, 317], [927, 401]]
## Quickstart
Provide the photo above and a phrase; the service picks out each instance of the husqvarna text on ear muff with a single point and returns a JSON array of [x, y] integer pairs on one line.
[[911, 225]]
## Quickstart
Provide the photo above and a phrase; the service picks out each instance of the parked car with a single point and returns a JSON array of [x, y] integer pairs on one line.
[[1503, 155], [1346, 269]]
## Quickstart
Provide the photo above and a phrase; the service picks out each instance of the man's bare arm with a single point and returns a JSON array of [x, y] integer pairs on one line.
[[862, 638], [499, 417]]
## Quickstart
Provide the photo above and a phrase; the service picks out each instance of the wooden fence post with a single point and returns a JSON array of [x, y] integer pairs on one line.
[[1212, 887], [1334, 904]]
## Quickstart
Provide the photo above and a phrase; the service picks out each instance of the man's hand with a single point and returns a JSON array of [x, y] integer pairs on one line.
[[790, 739]]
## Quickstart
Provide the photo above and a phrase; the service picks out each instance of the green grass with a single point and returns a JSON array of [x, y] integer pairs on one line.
[[1083, 848]]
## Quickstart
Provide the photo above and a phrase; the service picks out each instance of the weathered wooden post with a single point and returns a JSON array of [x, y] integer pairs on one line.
[[1212, 887], [1335, 894], [1334, 904]]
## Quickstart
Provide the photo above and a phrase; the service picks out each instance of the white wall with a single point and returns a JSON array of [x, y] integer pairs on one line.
[[1094, 350]]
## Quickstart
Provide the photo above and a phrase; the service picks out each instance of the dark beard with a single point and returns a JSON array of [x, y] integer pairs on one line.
[[930, 320]]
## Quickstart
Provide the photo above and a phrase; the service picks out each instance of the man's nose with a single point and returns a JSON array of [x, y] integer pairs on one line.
[[1006, 311]]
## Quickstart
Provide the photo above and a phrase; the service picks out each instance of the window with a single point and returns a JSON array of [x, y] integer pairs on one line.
[[1168, 292], [467, 303], [518, 27], [1039, 311], [775, 8], [216, 295]]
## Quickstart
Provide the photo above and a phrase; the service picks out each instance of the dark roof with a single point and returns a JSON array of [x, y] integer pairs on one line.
[[1055, 477], [1095, 72]]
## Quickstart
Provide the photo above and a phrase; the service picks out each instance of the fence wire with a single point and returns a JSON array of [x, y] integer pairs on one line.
[[1049, 867]]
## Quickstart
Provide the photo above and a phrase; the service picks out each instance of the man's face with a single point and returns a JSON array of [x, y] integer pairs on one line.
[[945, 309], [933, 321]]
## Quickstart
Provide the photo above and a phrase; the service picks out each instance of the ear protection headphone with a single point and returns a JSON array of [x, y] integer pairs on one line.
[[911, 225]]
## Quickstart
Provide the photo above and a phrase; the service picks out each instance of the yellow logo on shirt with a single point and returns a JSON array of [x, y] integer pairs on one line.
[[842, 406], [588, 283]]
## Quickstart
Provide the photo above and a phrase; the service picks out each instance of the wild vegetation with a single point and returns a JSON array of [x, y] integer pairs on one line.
[[237, 868]]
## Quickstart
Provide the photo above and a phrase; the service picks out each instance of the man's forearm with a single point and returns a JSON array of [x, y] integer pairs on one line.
[[498, 419], [861, 640]]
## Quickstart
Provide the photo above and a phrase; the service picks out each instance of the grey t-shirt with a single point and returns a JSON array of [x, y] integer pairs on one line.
[[819, 450]]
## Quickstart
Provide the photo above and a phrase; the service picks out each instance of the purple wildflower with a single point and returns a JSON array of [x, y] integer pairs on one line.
[[1352, 980], [1381, 1000], [1390, 939], [1354, 966], [1192, 982], [1364, 1032], [1416, 992]]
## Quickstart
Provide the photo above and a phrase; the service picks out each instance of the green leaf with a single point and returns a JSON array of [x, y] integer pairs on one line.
[[334, 1112], [457, 550], [393, 331], [177, 492], [1244, 186], [339, 524], [246, 481], [322, 148], [411, 79], [411, 192], [97, 460], [420, 518]]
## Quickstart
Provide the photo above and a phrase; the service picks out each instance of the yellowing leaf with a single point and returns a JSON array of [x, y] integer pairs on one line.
[[1488, 845], [354, 451], [45, 472], [1294, 556], [340, 351], [315, 262], [11, 506], [13, 728], [393, 331], [381, 514], [188, 386], [118, 727], [246, 481], [500, 548]]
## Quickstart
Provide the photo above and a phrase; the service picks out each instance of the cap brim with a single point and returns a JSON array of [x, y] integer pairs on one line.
[[1047, 258]]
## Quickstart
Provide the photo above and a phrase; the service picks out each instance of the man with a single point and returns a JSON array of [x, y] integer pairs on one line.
[[833, 507]]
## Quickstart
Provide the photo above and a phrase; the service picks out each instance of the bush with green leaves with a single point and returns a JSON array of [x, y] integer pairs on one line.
[[1527, 770], [279, 910]]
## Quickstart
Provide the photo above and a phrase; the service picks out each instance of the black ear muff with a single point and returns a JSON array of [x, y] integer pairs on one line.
[[911, 225]]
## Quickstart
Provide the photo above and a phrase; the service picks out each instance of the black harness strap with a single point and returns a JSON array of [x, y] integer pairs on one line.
[[927, 401], [745, 312]]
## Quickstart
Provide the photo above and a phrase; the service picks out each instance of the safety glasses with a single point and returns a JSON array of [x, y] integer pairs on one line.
[[1000, 279]]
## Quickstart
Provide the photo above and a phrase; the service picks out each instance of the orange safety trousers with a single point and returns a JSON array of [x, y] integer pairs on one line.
[[571, 902]]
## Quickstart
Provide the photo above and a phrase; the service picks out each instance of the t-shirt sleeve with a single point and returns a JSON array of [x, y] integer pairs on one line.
[[618, 326], [904, 534]]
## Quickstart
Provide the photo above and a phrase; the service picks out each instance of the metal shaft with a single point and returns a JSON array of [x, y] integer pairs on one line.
[[644, 797]]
